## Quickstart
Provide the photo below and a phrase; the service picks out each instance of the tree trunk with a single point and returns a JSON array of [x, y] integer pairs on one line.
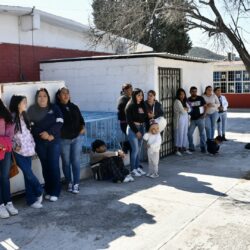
[[239, 46]]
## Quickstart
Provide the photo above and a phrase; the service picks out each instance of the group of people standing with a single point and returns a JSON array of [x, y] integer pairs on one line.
[[207, 112], [136, 116], [48, 130], [55, 130]]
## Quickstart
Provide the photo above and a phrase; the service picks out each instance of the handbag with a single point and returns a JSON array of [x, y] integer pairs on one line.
[[14, 167]]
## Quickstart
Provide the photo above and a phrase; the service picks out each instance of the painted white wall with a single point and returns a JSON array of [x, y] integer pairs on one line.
[[8, 29], [228, 66], [95, 84], [55, 36], [192, 73]]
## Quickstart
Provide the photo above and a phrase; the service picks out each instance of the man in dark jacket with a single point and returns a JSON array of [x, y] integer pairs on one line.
[[122, 102]]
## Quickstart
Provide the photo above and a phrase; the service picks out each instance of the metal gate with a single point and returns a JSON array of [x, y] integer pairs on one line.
[[169, 82]]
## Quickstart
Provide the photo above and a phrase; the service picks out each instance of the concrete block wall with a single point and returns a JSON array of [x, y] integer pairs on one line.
[[95, 84]]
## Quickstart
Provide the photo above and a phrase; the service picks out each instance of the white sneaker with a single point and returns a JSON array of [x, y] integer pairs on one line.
[[128, 178], [188, 152], [70, 187], [53, 198], [178, 153], [155, 175], [36, 204], [148, 174], [4, 214], [47, 197], [76, 189], [131, 178], [140, 171], [135, 173], [11, 209], [40, 199]]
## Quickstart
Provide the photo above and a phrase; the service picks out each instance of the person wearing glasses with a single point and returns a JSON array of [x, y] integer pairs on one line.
[[197, 114], [71, 139], [46, 123]]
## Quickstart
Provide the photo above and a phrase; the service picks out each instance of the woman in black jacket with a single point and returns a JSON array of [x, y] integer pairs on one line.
[[71, 139], [136, 116], [46, 122], [153, 107]]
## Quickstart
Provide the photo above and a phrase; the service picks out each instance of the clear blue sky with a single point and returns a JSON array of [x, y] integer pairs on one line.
[[80, 10]]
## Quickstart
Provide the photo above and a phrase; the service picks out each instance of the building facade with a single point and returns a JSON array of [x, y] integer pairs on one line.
[[95, 82], [28, 36], [234, 81]]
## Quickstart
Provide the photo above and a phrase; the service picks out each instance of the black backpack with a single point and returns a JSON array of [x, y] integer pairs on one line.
[[212, 146]]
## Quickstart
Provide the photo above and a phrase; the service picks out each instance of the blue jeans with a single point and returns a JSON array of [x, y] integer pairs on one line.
[[33, 188], [221, 126], [5, 165], [49, 153], [136, 145], [210, 124], [70, 154], [200, 123]]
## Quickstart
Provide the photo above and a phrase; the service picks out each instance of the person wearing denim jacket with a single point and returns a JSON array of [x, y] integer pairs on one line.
[[6, 133], [46, 122], [136, 115], [24, 149], [71, 139]]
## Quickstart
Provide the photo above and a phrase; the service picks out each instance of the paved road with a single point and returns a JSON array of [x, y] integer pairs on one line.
[[199, 202]]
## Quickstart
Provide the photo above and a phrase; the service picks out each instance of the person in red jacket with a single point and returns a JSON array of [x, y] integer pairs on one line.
[[6, 133]]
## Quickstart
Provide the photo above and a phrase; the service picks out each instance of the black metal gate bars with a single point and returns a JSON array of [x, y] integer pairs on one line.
[[169, 82]]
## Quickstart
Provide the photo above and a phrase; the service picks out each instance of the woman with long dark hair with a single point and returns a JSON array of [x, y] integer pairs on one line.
[[6, 135], [71, 139], [46, 123], [136, 116], [181, 109], [153, 107], [24, 149]]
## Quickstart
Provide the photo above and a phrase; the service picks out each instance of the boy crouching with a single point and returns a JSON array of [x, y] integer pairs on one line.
[[108, 165]]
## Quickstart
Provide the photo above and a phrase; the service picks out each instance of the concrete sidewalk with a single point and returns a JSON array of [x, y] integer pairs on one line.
[[199, 202]]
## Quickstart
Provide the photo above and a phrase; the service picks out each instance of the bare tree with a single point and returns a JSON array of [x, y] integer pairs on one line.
[[138, 22], [221, 19]]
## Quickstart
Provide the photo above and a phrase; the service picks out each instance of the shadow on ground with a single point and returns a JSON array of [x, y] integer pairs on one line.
[[97, 216]]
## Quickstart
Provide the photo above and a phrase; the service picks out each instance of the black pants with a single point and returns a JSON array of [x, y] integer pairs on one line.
[[125, 144], [111, 168]]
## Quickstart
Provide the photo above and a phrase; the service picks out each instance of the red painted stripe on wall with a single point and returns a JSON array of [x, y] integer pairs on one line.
[[238, 100], [21, 63]]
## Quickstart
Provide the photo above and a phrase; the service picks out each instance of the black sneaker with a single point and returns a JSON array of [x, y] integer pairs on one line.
[[203, 150], [224, 138], [192, 150]]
